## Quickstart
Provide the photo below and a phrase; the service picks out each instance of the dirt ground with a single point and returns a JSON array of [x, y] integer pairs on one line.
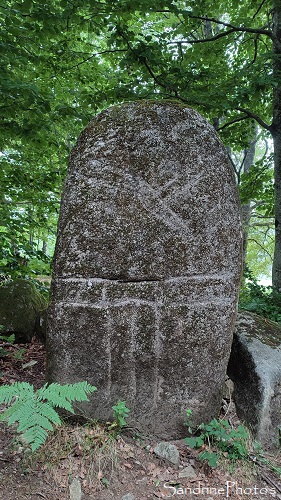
[[86, 463]]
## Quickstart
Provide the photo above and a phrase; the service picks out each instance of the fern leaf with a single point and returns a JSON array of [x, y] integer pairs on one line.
[[76, 392], [54, 398], [41, 421], [34, 411], [19, 410], [35, 419], [16, 390], [5, 415], [47, 411], [35, 436], [63, 395]]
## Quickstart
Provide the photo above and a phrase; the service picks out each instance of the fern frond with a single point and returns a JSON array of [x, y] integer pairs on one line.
[[34, 410], [21, 410], [54, 397], [6, 413], [46, 410], [21, 390], [8, 338], [35, 436], [64, 395], [75, 392], [35, 419]]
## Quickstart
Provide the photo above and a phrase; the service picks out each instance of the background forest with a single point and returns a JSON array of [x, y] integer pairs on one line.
[[64, 61]]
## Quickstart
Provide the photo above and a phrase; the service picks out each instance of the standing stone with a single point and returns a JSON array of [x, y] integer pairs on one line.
[[147, 266]]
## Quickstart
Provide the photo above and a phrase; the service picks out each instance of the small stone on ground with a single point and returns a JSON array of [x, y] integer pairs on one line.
[[167, 451]]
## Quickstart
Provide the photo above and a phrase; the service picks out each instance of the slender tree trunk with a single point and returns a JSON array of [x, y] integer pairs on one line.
[[276, 133], [246, 209], [44, 246]]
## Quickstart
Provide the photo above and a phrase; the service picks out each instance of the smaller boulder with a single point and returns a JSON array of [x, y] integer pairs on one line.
[[22, 310], [75, 491], [188, 473], [255, 369], [168, 452]]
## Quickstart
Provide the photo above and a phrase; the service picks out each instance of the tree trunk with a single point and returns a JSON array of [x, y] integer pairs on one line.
[[246, 209], [44, 246], [276, 133]]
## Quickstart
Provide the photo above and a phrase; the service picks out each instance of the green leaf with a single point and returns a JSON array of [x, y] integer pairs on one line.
[[191, 441], [34, 410], [211, 458]]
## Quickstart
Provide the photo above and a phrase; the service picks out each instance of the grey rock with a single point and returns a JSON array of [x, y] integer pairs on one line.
[[128, 496], [21, 306], [188, 472], [255, 368], [168, 452], [75, 491], [147, 267]]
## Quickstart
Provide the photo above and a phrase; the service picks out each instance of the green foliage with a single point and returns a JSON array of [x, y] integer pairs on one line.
[[28, 215], [257, 184], [120, 413], [259, 299], [10, 339], [18, 354], [85, 56], [218, 434], [35, 410], [105, 482], [210, 456], [261, 459], [6, 338]]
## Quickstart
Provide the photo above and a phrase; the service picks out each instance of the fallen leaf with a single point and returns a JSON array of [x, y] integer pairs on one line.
[[129, 466], [30, 363]]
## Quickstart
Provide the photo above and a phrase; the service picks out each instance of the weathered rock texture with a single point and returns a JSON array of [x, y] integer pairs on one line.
[[147, 266], [21, 310], [255, 368]]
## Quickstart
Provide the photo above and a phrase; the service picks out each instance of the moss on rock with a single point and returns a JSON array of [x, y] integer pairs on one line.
[[20, 308]]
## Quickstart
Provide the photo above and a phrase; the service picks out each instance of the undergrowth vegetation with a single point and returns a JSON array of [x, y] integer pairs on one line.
[[218, 440], [50, 443], [91, 445], [9, 340], [35, 411], [259, 299], [218, 435]]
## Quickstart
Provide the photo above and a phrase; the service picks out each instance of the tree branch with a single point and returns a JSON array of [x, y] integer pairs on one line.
[[261, 246], [256, 49], [243, 29], [204, 40], [260, 7], [233, 29], [92, 56], [256, 117], [172, 91], [233, 121]]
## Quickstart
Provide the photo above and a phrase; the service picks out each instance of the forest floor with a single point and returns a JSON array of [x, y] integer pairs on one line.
[[87, 458]]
